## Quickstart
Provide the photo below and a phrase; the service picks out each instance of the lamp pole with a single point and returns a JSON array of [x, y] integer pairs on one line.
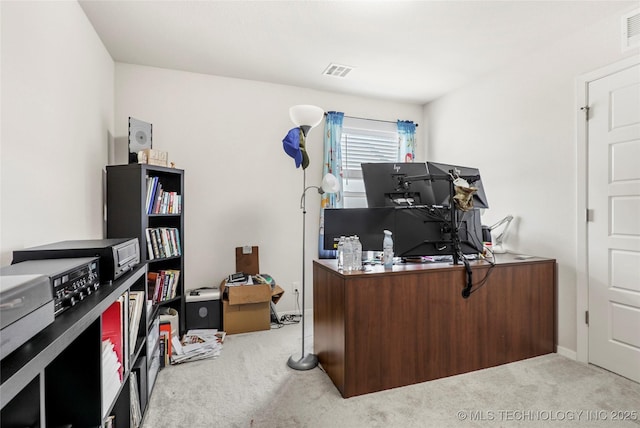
[[309, 361], [305, 117]]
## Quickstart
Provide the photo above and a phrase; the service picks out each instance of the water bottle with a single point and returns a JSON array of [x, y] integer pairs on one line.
[[348, 254], [357, 253], [340, 254], [387, 250]]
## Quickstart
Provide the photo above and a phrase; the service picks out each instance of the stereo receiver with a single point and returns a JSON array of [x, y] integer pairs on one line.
[[71, 280], [117, 256]]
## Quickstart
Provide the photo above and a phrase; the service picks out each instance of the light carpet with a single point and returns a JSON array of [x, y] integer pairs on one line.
[[250, 385]]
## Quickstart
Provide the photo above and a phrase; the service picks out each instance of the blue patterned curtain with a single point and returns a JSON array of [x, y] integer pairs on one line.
[[407, 140], [332, 164]]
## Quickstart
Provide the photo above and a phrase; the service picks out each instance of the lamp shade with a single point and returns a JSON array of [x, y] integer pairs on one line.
[[330, 183], [306, 115]]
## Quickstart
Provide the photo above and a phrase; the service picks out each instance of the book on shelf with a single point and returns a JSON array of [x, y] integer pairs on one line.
[[158, 244], [166, 206], [152, 188], [152, 280], [175, 277], [165, 356], [111, 374], [150, 251], [163, 242], [170, 203], [165, 337], [163, 285], [166, 240], [149, 181], [136, 303], [136, 411], [113, 331], [178, 244], [154, 367], [160, 200]]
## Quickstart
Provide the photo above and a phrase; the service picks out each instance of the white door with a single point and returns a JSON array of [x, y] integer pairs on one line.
[[613, 230]]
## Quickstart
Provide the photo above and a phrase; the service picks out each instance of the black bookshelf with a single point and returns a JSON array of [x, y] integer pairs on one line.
[[56, 378], [128, 217]]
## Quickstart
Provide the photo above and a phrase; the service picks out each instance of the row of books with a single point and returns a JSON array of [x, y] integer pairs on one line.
[[121, 323], [163, 242], [162, 285], [161, 201]]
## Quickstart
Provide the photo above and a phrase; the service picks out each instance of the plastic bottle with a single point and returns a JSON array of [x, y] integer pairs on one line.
[[340, 254], [348, 254], [387, 250], [357, 253]]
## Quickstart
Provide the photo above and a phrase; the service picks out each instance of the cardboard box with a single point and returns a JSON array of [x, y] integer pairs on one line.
[[276, 293], [247, 308]]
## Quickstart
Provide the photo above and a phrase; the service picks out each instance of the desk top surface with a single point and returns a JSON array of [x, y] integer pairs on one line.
[[412, 267]]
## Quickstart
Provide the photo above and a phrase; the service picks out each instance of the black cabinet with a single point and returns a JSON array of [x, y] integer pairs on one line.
[[154, 214], [57, 378]]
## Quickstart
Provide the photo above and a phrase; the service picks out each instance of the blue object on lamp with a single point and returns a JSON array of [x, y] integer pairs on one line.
[[291, 145]]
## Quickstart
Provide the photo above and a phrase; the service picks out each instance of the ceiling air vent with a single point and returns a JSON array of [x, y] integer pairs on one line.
[[631, 30], [337, 70]]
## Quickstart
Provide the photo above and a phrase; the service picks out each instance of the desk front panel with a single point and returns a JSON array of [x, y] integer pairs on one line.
[[393, 329]]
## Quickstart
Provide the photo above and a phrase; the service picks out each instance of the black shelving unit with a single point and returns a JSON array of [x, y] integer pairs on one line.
[[56, 378], [127, 217]]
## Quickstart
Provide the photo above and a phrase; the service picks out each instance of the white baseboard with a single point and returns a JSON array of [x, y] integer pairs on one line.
[[567, 353]]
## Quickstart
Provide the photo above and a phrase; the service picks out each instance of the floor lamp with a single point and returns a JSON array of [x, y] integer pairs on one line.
[[306, 117]]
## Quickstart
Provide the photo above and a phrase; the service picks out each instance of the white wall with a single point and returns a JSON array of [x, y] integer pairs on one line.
[[57, 112], [240, 186], [57, 97], [518, 126]]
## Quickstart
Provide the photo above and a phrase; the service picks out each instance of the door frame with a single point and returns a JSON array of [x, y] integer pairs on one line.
[[582, 259]]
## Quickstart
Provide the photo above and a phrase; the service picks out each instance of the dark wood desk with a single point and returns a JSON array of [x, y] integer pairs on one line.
[[383, 329]]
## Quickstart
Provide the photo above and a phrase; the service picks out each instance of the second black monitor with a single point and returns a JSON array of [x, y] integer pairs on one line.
[[385, 187], [440, 184]]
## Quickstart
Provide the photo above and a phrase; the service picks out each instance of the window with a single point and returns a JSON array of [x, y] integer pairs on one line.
[[364, 141]]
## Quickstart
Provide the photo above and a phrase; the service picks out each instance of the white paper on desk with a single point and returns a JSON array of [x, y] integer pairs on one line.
[[177, 346]]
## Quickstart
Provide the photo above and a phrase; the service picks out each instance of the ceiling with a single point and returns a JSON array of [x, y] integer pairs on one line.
[[408, 51]]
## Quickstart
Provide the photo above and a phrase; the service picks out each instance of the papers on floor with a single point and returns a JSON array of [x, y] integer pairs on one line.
[[197, 345]]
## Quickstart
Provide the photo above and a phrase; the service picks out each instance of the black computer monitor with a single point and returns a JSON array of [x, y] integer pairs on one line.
[[420, 233], [440, 185], [417, 230], [385, 188], [368, 223]]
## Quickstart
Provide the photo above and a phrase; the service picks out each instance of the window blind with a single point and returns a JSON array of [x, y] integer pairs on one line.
[[364, 141]]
